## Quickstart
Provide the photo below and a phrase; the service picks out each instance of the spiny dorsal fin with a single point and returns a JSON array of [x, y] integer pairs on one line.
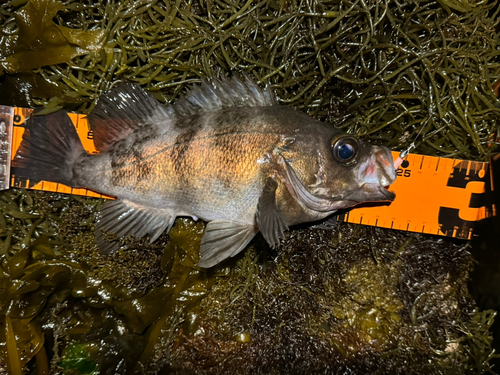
[[216, 94], [120, 111], [128, 106]]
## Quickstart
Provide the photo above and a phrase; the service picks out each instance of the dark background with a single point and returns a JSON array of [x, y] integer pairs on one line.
[[485, 278]]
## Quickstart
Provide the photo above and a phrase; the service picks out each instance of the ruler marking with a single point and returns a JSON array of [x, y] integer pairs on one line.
[[437, 166], [474, 166], [484, 167], [468, 168], [407, 226], [477, 167], [423, 228], [376, 222], [361, 220], [422, 162], [6, 130], [392, 224]]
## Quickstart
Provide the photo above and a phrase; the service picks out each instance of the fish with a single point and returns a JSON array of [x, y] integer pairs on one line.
[[226, 152]]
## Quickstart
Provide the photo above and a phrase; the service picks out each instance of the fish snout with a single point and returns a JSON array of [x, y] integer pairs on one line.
[[375, 174], [379, 168]]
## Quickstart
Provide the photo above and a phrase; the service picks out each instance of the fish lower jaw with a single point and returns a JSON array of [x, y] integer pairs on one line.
[[371, 192]]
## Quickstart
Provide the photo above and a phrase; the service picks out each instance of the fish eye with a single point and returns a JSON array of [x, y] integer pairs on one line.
[[345, 150]]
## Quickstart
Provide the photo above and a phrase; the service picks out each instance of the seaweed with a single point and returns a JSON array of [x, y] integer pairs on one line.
[[60, 297], [349, 298], [38, 41], [319, 307], [392, 72]]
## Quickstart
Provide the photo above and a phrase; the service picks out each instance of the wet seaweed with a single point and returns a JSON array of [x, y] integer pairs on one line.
[[59, 296], [392, 72], [319, 308], [350, 298]]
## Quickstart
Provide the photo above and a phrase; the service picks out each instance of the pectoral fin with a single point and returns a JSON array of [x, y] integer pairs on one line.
[[223, 239], [271, 222], [123, 218]]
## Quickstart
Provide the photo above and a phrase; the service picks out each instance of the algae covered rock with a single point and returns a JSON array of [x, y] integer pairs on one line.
[[396, 304]]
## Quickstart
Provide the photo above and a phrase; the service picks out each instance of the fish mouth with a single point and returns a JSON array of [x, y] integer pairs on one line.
[[367, 192], [370, 192]]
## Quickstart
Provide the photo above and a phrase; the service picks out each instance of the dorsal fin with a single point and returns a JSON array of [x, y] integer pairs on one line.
[[128, 106], [216, 94], [120, 111]]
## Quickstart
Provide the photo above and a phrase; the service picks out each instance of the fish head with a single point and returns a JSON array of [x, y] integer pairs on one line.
[[372, 168], [344, 172]]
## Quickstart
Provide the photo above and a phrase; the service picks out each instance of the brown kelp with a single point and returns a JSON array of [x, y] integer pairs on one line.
[[60, 296], [347, 298]]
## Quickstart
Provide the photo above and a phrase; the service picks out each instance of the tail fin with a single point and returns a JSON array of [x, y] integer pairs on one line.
[[49, 149]]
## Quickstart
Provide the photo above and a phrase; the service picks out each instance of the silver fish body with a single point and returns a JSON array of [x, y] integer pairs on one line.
[[226, 153]]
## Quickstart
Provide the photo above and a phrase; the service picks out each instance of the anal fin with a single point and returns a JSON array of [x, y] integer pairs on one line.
[[270, 221], [223, 239], [123, 218]]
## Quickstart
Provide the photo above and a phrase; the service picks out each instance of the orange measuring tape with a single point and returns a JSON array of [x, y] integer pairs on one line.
[[433, 195]]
